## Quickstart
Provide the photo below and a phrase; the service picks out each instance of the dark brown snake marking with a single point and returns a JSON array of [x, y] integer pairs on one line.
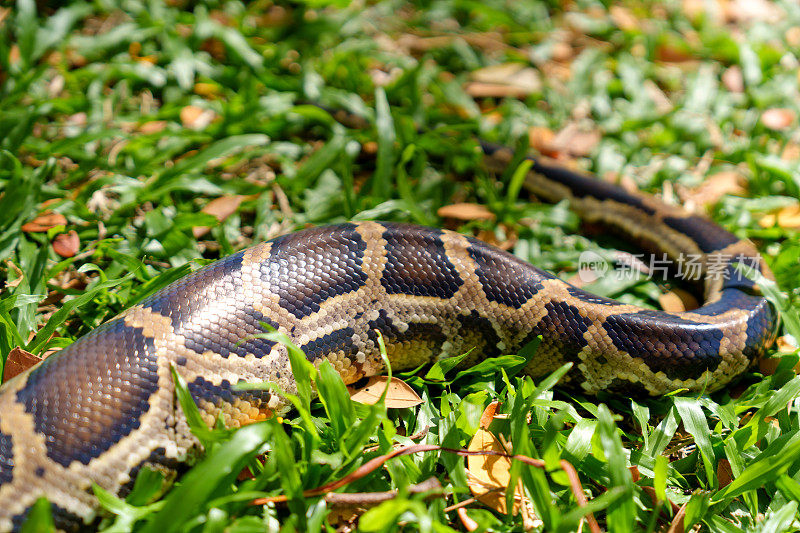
[[101, 408]]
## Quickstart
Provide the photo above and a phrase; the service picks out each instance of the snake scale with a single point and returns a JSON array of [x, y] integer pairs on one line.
[[104, 406]]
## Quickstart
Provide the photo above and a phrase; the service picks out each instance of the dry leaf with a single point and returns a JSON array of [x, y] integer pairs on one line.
[[465, 211], [768, 365], [659, 98], [488, 414], [67, 244], [733, 80], [689, 300], [748, 11], [715, 187], [791, 151], [696, 8], [153, 126], [399, 395], [44, 222], [793, 36], [777, 118], [671, 303], [787, 218], [541, 140], [575, 140], [491, 237], [206, 89], [623, 18], [671, 54], [17, 272], [490, 474], [468, 523], [18, 361], [724, 473], [677, 301], [562, 52], [477, 89], [507, 80], [14, 55], [786, 344], [196, 118], [221, 208]]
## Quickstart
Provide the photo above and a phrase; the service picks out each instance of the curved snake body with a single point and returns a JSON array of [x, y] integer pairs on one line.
[[103, 407]]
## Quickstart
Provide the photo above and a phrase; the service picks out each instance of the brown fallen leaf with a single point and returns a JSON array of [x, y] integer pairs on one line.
[[206, 89], [791, 151], [17, 362], [733, 79], [67, 244], [777, 118], [489, 475], [786, 344], [724, 472], [468, 523], [14, 55], [488, 414], [574, 140], [507, 80], [671, 303], [398, 396], [196, 118], [623, 18], [541, 140], [465, 211], [221, 208], [715, 187], [768, 365], [749, 11], [491, 237], [787, 218], [20, 275], [44, 222], [672, 54], [153, 126], [477, 89]]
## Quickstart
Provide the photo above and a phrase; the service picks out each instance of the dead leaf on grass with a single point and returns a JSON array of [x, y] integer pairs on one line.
[[733, 79], [196, 118], [468, 523], [540, 139], [153, 126], [489, 475], [715, 187], [17, 362], [20, 275], [44, 222], [787, 218], [677, 301], [221, 208], [623, 18], [669, 53], [465, 211], [399, 395], [778, 118], [507, 80], [575, 140], [67, 244]]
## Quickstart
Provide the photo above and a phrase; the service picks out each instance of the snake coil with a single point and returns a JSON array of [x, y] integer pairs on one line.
[[100, 409]]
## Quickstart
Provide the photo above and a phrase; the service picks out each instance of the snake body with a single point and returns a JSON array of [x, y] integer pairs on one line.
[[102, 408]]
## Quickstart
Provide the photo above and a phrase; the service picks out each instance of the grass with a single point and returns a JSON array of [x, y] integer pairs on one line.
[[128, 122]]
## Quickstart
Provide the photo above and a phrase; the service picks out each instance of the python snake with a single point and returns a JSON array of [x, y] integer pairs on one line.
[[104, 406]]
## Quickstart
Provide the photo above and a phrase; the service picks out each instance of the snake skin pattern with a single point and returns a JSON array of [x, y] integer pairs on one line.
[[103, 407]]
